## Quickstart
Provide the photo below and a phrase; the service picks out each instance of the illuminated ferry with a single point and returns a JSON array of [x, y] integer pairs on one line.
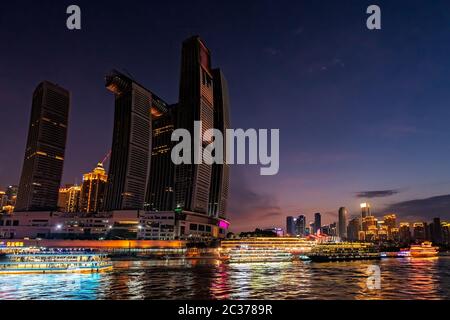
[[39, 260], [264, 249], [342, 251], [423, 250]]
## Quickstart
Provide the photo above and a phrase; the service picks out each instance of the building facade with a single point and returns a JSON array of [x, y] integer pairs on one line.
[[130, 153], [196, 103], [220, 174], [93, 190], [342, 222], [45, 149]]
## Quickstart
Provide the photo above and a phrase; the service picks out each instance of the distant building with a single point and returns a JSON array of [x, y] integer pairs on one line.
[[69, 198], [300, 226], [419, 232], [404, 232], [93, 190], [365, 210], [342, 223], [291, 226], [317, 222], [390, 221], [11, 193], [353, 229], [436, 231], [44, 154]]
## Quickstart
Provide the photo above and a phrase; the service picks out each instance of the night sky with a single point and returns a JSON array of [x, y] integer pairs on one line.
[[363, 115]]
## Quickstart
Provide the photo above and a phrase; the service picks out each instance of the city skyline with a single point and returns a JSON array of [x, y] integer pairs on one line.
[[343, 142]]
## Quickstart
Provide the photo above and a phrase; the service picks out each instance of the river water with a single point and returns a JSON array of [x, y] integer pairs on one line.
[[409, 278]]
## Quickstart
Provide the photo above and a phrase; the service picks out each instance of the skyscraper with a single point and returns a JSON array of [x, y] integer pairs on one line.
[[365, 210], [317, 222], [196, 103], [93, 190], [160, 189], [353, 229], [300, 225], [342, 224], [290, 225], [69, 198], [220, 175], [130, 153], [44, 155]]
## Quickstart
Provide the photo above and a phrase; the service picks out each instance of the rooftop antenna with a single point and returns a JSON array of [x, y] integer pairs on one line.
[[106, 157]]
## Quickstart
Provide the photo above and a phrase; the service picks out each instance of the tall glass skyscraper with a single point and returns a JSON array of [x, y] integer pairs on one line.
[[131, 145], [317, 222], [220, 175], [196, 103], [44, 155]]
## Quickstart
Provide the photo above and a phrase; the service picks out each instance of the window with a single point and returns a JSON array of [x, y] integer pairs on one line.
[[15, 223], [208, 228], [193, 227], [201, 228]]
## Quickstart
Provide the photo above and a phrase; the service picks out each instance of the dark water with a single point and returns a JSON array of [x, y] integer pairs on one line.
[[210, 279]]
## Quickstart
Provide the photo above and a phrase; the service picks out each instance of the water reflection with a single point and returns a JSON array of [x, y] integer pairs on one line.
[[408, 278]]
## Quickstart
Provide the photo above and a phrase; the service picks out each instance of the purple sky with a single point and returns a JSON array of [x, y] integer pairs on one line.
[[357, 110]]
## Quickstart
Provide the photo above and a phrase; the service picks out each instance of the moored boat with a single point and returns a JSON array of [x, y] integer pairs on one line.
[[41, 260], [344, 251]]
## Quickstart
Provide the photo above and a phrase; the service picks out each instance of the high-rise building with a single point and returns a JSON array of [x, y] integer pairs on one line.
[[130, 153], [291, 225], [436, 231], [317, 222], [419, 232], [93, 190], [300, 225], [161, 182], [220, 174], [365, 210], [196, 103], [353, 229], [404, 232], [69, 198], [390, 221], [3, 199], [44, 155], [342, 224], [11, 193]]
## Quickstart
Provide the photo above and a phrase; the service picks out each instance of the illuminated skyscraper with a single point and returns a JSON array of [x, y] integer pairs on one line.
[[220, 175], [404, 232], [342, 225], [69, 198], [44, 154], [196, 103], [130, 153], [365, 210], [93, 190]]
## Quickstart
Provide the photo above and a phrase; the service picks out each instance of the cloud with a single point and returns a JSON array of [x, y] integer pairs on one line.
[[376, 194], [422, 209]]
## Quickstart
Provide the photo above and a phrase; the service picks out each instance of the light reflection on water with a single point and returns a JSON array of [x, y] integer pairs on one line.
[[211, 279]]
